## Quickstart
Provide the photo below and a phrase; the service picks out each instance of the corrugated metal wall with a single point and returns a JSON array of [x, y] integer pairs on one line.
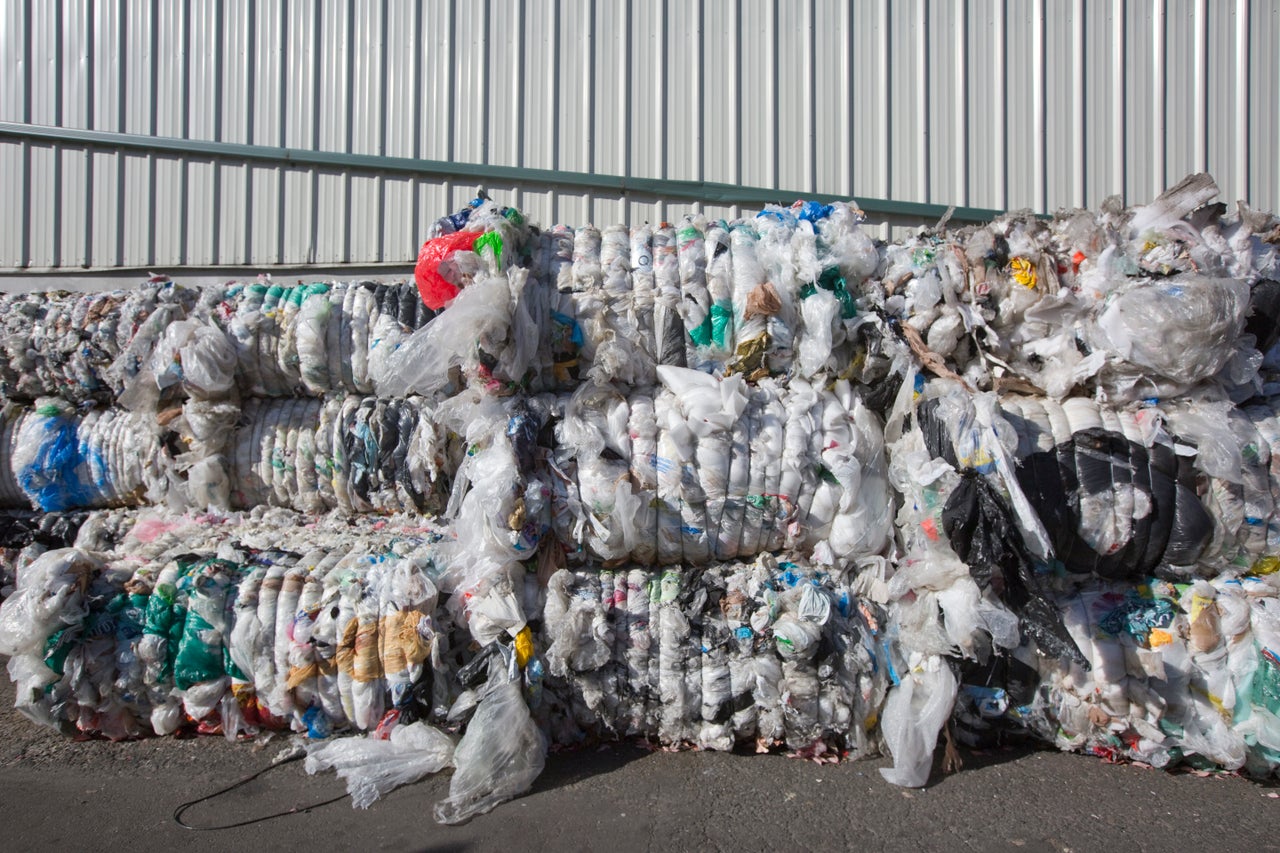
[[985, 103]]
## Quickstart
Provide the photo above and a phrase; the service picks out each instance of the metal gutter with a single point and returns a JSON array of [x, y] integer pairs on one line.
[[703, 191]]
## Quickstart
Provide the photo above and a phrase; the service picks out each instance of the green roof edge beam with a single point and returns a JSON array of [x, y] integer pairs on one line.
[[661, 188]]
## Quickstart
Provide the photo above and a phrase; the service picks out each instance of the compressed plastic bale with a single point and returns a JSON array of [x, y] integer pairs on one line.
[[644, 293], [611, 691], [720, 290], [287, 344], [750, 319], [325, 466], [264, 441], [243, 636], [1257, 497], [580, 643], [242, 331], [291, 584], [328, 632], [361, 444], [586, 276], [329, 309], [620, 353], [284, 470], [752, 491], [10, 423], [1143, 506], [565, 338], [407, 632], [165, 616], [362, 309], [775, 503], [199, 656], [299, 650], [269, 332], [714, 464], [624, 707], [64, 461], [340, 447], [247, 488], [691, 600], [368, 695], [1127, 492], [739, 654], [308, 497], [385, 331]]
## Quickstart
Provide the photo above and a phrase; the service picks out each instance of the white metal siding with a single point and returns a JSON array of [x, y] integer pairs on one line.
[[985, 103]]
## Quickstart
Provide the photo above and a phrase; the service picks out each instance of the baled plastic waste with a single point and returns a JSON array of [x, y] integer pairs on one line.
[[701, 483]]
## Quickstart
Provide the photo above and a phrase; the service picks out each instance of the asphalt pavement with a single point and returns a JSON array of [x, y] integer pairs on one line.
[[63, 794]]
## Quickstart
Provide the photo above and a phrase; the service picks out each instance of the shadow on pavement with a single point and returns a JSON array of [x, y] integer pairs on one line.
[[573, 766]]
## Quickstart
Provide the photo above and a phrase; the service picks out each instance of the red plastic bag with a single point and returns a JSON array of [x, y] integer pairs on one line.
[[435, 290]]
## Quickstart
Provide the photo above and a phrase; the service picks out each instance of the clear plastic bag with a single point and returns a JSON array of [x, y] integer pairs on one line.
[[1184, 329], [198, 355], [499, 756], [480, 313], [914, 714], [373, 768]]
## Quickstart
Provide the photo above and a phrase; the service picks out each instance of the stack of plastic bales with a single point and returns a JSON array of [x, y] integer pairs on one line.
[[762, 481], [1093, 459], [67, 360]]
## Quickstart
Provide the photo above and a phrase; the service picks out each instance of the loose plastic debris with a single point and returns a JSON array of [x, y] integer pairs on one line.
[[707, 483]]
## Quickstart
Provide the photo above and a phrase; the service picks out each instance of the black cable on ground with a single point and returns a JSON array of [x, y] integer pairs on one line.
[[178, 812]]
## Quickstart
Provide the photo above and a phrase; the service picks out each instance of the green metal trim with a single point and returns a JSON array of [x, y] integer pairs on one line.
[[703, 191]]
